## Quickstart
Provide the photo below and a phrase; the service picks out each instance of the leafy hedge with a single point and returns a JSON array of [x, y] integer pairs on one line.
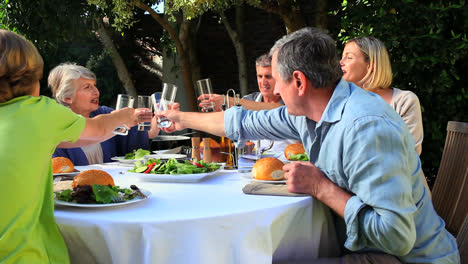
[[428, 47]]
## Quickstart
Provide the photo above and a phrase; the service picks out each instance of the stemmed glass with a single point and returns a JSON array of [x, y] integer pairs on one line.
[[162, 101], [204, 88], [123, 100], [144, 101]]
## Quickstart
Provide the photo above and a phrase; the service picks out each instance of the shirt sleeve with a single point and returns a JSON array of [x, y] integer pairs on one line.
[[64, 121], [409, 108], [241, 124], [381, 213]]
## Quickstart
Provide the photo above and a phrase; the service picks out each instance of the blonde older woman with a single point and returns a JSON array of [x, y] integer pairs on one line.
[[366, 63], [31, 127], [75, 87]]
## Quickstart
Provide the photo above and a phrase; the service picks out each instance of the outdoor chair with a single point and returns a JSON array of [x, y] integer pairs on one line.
[[462, 241], [450, 191]]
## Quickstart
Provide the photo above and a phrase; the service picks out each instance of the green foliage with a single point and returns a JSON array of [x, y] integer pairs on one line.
[[428, 48]]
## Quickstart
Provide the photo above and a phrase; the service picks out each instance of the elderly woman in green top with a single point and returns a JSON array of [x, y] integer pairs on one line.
[[30, 129]]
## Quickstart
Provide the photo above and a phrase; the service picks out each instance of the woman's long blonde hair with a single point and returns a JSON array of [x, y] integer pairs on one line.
[[21, 66], [379, 75]]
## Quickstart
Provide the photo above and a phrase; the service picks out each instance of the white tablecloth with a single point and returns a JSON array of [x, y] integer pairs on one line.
[[211, 221]]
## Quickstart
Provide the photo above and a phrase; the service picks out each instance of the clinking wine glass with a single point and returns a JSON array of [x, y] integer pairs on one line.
[[204, 88], [144, 101], [162, 101], [123, 100]]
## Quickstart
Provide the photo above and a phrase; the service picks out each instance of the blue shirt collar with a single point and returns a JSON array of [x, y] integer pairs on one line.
[[335, 106]]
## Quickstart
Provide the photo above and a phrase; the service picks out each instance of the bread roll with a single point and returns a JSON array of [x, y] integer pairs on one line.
[[268, 169], [294, 149], [62, 165], [91, 177]]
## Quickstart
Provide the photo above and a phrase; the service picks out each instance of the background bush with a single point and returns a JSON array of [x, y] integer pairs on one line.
[[428, 48]]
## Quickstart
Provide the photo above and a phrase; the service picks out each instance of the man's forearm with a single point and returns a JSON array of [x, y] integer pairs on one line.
[[212, 123], [333, 196], [256, 106]]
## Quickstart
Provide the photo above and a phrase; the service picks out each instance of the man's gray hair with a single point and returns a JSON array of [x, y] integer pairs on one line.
[[263, 61], [61, 80], [310, 51]]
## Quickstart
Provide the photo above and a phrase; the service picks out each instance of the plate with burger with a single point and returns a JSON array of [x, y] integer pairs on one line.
[[62, 166], [96, 188], [296, 152], [267, 170]]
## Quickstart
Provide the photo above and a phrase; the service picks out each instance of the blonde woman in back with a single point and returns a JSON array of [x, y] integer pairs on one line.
[[366, 63]]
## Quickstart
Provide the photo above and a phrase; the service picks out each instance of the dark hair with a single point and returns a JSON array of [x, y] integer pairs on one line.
[[310, 51]]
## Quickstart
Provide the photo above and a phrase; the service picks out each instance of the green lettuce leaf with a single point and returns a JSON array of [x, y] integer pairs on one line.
[[301, 157]]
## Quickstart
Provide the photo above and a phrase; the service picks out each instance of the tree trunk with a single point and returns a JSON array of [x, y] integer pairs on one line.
[[288, 10], [185, 67], [119, 64], [321, 20], [237, 37]]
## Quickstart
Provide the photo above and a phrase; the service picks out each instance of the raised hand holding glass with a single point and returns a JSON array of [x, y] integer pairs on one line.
[[204, 88], [123, 100], [144, 101], [162, 101]]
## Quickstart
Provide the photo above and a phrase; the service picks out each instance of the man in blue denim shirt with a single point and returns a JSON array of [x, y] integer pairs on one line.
[[363, 163]]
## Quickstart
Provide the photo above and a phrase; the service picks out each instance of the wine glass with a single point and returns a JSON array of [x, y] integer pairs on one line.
[[123, 100]]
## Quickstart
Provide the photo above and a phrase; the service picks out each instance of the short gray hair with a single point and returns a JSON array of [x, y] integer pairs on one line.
[[310, 51], [61, 80], [263, 61]]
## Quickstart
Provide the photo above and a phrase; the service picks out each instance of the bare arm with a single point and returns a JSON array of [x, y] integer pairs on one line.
[[212, 123], [99, 128], [247, 104]]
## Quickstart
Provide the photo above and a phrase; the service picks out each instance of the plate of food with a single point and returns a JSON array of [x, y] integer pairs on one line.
[[170, 138], [267, 170], [62, 166], [123, 160], [173, 170], [94, 189], [130, 158]]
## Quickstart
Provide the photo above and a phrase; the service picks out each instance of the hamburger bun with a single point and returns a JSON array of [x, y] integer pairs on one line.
[[91, 177], [293, 149], [268, 169], [62, 165]]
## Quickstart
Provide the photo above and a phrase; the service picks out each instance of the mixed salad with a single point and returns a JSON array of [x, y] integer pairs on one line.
[[299, 157], [96, 194], [172, 166], [137, 154]]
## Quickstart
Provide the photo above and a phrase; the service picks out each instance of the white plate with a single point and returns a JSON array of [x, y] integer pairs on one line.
[[169, 138], [172, 177], [134, 200], [176, 150], [166, 156], [250, 177], [126, 161], [254, 157], [73, 173]]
